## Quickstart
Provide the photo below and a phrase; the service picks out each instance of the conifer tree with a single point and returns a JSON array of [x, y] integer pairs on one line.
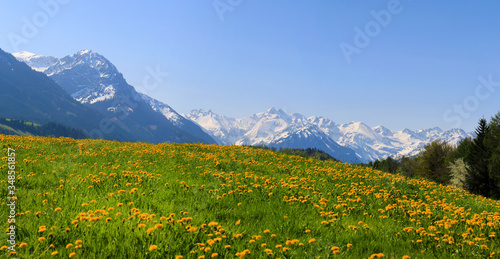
[[493, 144], [478, 180]]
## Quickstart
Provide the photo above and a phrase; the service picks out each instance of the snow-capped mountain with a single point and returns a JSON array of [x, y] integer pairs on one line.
[[94, 81], [32, 96], [275, 128], [226, 131], [36, 62]]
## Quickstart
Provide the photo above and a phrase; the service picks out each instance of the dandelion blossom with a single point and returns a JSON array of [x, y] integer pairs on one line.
[[158, 226]]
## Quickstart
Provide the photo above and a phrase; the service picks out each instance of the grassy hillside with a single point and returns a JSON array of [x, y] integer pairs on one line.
[[8, 130], [25, 128], [102, 199]]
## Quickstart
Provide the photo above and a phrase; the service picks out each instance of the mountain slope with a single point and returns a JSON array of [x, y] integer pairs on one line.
[[177, 119], [94, 81], [32, 96]]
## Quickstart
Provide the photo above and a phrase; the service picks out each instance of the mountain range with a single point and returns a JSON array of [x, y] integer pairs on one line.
[[352, 142], [91, 82]]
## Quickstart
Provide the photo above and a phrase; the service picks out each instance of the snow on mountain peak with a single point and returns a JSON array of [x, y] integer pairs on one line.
[[272, 110], [36, 62], [276, 128], [85, 51], [23, 55]]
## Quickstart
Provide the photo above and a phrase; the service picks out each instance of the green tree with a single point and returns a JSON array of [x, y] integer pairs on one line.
[[434, 162], [408, 166], [493, 144], [478, 180]]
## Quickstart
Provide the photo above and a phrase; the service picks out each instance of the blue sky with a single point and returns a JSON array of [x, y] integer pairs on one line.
[[420, 68]]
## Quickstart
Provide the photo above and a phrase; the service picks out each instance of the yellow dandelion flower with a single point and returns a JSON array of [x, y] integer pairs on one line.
[[214, 255], [54, 253], [72, 255], [57, 209], [312, 240], [41, 239], [68, 246], [23, 245], [213, 224], [42, 229], [153, 247], [238, 222]]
